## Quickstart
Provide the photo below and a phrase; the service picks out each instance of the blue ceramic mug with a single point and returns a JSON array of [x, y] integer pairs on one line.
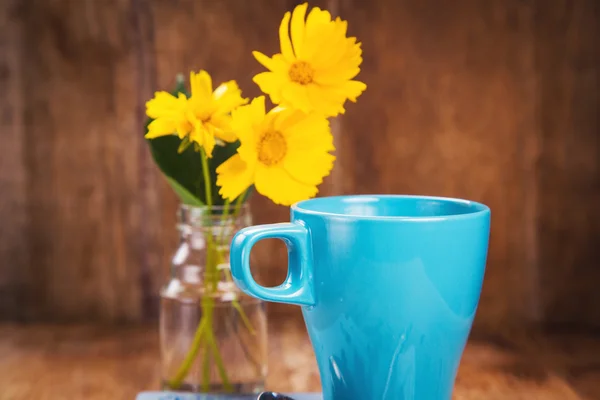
[[388, 286]]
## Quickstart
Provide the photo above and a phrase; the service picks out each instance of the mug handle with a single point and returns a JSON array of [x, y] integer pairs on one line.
[[298, 285]]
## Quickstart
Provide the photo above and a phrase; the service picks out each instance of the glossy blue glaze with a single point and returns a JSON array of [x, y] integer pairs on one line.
[[388, 285], [297, 288]]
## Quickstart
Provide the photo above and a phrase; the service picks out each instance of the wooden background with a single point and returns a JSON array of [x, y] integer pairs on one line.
[[491, 100]]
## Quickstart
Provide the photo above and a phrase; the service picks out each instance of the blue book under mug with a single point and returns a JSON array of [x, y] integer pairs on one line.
[[198, 396]]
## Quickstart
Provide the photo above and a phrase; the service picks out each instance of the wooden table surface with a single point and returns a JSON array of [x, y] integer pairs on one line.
[[39, 362]]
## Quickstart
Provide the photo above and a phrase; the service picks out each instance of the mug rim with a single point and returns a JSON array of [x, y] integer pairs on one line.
[[478, 209]]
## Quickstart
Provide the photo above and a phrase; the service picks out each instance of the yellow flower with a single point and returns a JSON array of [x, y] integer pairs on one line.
[[316, 65], [204, 117], [284, 153], [168, 114]]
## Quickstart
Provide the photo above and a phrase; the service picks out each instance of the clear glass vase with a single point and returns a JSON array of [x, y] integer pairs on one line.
[[213, 337]]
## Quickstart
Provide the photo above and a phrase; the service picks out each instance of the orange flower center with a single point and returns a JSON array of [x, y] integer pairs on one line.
[[271, 148], [301, 72]]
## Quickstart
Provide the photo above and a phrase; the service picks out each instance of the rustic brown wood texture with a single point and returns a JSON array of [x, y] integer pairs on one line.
[[14, 252], [87, 362], [495, 101], [569, 164]]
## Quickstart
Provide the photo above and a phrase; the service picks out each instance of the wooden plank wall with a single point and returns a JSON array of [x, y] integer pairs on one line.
[[568, 191], [496, 101], [14, 251]]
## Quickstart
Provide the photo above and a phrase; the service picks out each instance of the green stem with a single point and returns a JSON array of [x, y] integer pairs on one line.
[[236, 212], [246, 321], [222, 237], [244, 346], [207, 183], [208, 307], [243, 316], [207, 313], [225, 211], [205, 329], [219, 362], [238, 204], [236, 304], [206, 371], [212, 275], [191, 355]]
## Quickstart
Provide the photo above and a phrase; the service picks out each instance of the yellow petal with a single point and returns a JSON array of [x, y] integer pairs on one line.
[[271, 83], [340, 56], [341, 25], [309, 167], [183, 129], [201, 84], [161, 127], [353, 89], [316, 32], [284, 39], [309, 142], [234, 176], [196, 134], [309, 133], [248, 152], [223, 129], [284, 118], [280, 187], [226, 136], [246, 120], [329, 100], [316, 20], [334, 76], [209, 141], [201, 106], [325, 100], [297, 28], [163, 104], [227, 97], [203, 135], [225, 89], [296, 95], [257, 108], [276, 63], [169, 114], [325, 41], [221, 121], [329, 55]]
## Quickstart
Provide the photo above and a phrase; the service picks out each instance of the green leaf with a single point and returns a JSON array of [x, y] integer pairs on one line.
[[182, 165], [184, 195]]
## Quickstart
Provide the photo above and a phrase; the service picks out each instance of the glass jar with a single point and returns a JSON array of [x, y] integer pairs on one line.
[[213, 337]]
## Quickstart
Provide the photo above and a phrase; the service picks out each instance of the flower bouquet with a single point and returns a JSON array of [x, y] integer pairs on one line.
[[215, 147]]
